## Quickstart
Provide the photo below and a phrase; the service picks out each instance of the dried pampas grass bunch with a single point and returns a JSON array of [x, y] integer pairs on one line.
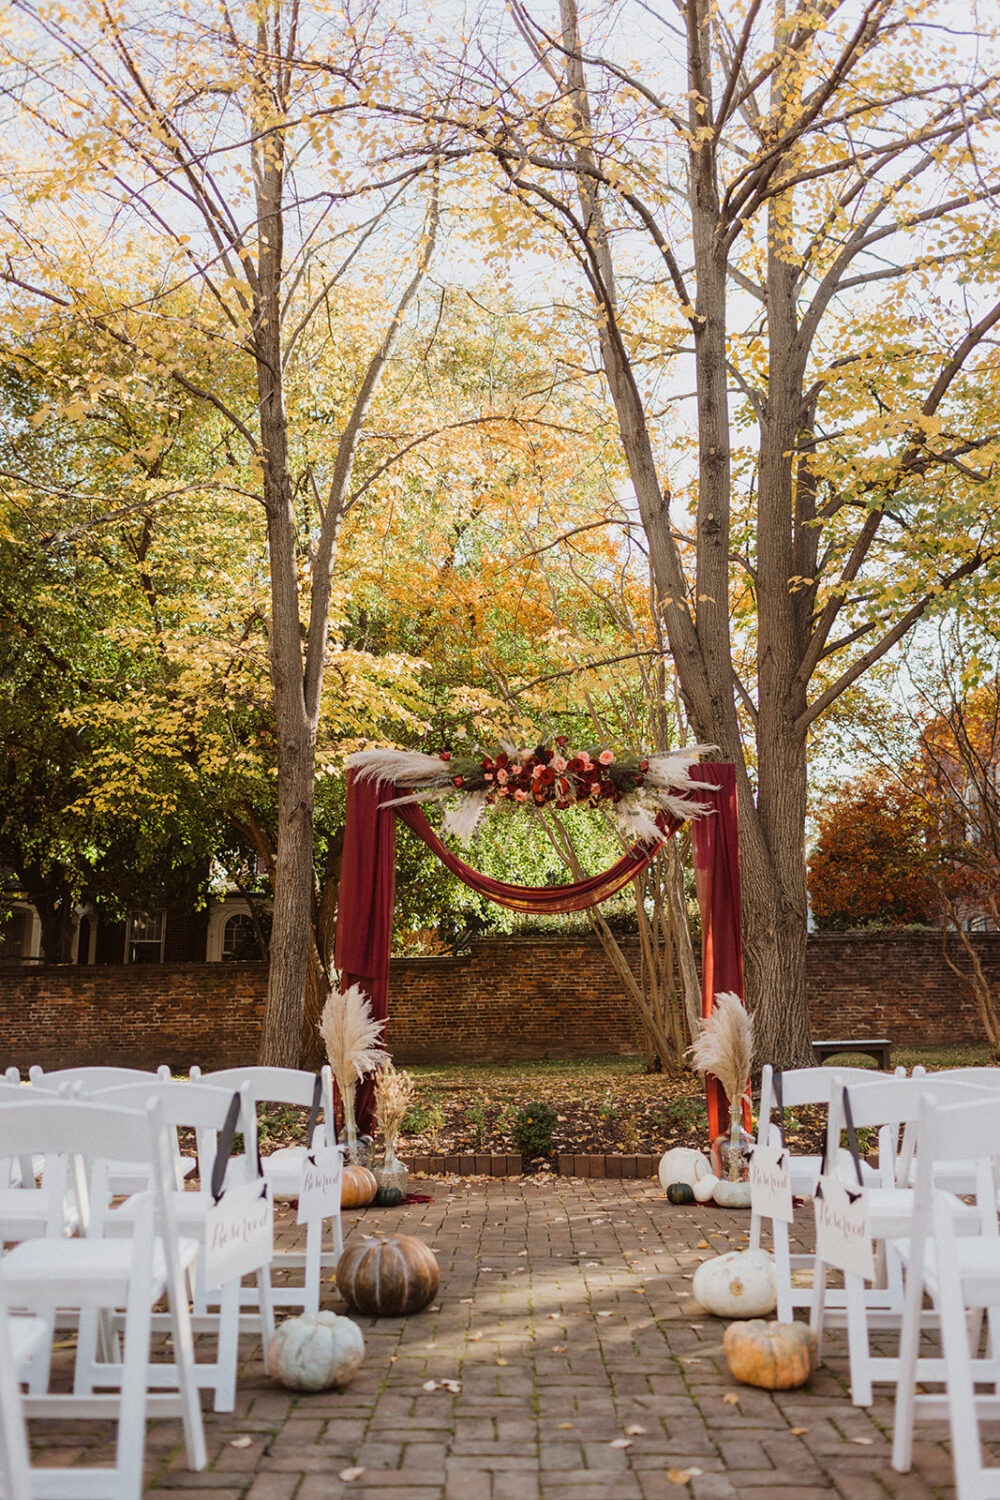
[[394, 1093], [352, 1038], [724, 1048]]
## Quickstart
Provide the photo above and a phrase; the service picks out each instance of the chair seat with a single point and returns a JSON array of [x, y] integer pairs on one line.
[[283, 1172], [803, 1172], [127, 1177], [80, 1272], [24, 1213]]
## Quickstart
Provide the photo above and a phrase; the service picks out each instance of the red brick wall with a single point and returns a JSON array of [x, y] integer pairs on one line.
[[510, 998]]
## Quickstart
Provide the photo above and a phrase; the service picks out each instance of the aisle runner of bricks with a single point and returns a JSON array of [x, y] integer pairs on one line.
[[563, 1360]]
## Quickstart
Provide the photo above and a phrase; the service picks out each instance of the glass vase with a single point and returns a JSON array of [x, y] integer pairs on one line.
[[731, 1154], [358, 1149], [392, 1173]]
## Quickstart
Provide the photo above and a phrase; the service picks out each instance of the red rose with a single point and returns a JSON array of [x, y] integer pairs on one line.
[[458, 781], [561, 741], [644, 765], [445, 755]]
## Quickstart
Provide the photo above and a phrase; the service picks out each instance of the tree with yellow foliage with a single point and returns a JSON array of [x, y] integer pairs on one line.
[[786, 213]]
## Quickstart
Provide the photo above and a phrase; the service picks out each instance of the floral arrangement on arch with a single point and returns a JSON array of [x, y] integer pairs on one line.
[[636, 789]]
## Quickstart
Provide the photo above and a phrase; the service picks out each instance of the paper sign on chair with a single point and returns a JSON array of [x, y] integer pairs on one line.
[[771, 1183], [239, 1233], [843, 1238], [322, 1185]]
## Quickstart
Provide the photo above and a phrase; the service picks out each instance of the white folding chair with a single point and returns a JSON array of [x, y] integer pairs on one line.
[[890, 1107], [20, 1339], [206, 1111], [92, 1272], [283, 1168], [791, 1090], [82, 1082], [953, 1258]]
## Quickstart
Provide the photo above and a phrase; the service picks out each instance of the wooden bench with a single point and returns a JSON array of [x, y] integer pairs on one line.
[[880, 1048]]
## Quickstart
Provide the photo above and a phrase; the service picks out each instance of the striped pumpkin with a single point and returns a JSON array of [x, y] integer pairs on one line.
[[388, 1278]]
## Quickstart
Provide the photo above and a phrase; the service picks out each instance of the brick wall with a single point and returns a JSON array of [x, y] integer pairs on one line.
[[509, 998]]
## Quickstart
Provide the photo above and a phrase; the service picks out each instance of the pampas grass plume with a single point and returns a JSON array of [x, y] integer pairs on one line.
[[725, 1045], [352, 1036]]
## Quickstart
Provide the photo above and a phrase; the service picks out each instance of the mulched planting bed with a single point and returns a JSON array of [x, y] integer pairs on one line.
[[604, 1106]]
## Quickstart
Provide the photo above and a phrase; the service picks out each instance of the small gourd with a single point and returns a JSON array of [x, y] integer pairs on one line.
[[388, 1197], [682, 1164], [740, 1284], [315, 1351], [358, 1187], [388, 1277], [774, 1356], [705, 1187], [680, 1192]]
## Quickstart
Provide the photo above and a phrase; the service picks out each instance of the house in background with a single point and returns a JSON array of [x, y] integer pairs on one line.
[[224, 930]]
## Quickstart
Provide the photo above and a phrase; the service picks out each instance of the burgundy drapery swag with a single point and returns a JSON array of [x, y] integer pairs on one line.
[[368, 883]]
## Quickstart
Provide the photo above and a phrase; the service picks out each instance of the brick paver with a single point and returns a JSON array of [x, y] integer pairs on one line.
[[585, 1371]]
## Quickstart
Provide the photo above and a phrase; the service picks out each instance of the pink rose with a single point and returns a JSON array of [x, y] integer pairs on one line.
[[606, 757], [502, 775], [558, 763], [536, 772], [520, 796]]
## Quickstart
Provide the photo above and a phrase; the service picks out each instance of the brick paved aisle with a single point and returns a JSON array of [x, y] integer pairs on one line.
[[581, 1369]]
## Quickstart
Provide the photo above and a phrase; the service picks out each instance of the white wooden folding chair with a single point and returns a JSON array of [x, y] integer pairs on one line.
[[791, 1090], [953, 1258], [283, 1168], [82, 1082], [206, 1111], [20, 1339], [890, 1107], [91, 1272]]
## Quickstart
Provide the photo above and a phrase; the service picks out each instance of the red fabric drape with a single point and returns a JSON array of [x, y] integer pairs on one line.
[[368, 877], [717, 882]]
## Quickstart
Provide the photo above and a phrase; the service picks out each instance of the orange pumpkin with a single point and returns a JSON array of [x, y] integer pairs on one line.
[[358, 1187], [774, 1356], [387, 1278]]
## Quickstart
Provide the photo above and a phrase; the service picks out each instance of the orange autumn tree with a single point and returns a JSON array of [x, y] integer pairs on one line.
[[872, 864]]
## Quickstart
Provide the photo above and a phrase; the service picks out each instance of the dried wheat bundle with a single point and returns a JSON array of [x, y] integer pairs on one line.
[[724, 1046], [394, 1093]]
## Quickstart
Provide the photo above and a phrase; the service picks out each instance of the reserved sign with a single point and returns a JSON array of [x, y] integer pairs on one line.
[[843, 1238], [322, 1178], [770, 1183], [239, 1233]]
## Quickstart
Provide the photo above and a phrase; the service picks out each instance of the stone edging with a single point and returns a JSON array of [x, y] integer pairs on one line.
[[483, 1164]]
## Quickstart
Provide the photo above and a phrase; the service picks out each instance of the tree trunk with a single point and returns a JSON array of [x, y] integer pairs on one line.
[[55, 914], [296, 726]]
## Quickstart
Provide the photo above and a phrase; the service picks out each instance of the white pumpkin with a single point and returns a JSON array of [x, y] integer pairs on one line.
[[682, 1164], [738, 1285], [315, 1351], [705, 1187], [732, 1194]]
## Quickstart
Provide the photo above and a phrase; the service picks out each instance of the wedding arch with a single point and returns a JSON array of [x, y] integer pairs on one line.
[[651, 797]]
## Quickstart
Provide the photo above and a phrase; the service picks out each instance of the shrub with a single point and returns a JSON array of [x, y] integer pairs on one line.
[[425, 1117], [534, 1127]]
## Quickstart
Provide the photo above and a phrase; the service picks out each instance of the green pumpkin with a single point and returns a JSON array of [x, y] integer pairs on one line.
[[388, 1197], [680, 1192]]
